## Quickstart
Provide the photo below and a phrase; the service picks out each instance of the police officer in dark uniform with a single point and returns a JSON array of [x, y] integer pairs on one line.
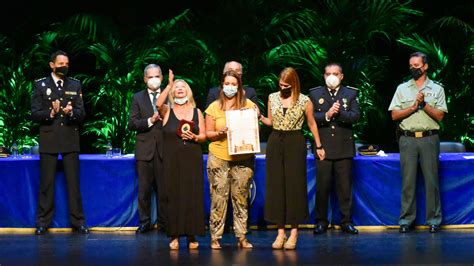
[[57, 105], [335, 110]]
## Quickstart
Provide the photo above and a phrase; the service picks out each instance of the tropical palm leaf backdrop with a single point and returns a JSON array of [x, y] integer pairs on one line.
[[370, 38]]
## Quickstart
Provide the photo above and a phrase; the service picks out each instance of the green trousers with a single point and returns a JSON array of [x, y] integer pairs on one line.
[[425, 151]]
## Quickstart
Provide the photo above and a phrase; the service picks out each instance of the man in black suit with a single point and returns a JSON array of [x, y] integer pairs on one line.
[[57, 105], [145, 120], [335, 110], [213, 93]]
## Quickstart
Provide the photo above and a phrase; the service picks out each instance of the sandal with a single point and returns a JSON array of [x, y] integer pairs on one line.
[[174, 244], [279, 242], [291, 242], [215, 244], [192, 243], [244, 243]]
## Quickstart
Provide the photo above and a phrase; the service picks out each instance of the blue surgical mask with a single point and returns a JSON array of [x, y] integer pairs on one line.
[[230, 91], [181, 101]]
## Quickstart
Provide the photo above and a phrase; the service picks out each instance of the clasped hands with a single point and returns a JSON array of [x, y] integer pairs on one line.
[[420, 99], [333, 110], [56, 108]]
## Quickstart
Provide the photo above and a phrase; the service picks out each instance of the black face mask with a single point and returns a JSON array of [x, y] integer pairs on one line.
[[285, 92], [416, 73], [61, 71]]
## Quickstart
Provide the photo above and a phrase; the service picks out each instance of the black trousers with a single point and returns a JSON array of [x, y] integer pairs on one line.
[[150, 177], [340, 173], [48, 164]]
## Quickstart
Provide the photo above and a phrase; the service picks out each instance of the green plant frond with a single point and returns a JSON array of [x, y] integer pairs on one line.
[[455, 23], [84, 23], [306, 53], [46, 38], [167, 26], [102, 52], [294, 25], [383, 16]]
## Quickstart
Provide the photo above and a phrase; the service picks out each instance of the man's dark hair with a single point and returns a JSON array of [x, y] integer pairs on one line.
[[423, 56], [55, 54], [334, 64]]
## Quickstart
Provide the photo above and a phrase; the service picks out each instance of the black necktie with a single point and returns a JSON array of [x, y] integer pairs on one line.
[[60, 85], [333, 93], [154, 101]]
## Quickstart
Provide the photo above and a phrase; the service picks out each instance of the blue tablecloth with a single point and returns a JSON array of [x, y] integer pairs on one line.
[[109, 191]]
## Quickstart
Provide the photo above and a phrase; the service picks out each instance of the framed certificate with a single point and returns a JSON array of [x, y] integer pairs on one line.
[[242, 134]]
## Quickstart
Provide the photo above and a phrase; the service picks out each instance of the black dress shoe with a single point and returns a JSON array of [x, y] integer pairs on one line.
[[434, 228], [405, 228], [40, 230], [320, 229], [83, 229], [144, 228], [349, 228]]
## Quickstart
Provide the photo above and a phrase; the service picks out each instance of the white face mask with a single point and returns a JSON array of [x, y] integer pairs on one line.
[[332, 81], [230, 91], [181, 101], [154, 83]]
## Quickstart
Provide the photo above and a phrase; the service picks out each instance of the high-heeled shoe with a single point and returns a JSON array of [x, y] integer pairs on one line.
[[279, 242], [192, 243], [291, 242], [244, 243], [215, 244], [174, 244]]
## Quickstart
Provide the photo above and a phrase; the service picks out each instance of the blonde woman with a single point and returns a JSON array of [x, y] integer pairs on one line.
[[182, 162]]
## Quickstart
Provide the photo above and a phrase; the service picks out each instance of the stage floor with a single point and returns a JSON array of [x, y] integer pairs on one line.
[[453, 246]]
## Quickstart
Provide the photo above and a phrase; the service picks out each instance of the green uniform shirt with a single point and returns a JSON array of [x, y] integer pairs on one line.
[[405, 97]]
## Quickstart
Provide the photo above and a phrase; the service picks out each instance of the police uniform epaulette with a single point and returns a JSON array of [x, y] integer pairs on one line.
[[74, 78], [354, 88], [40, 79], [438, 83], [315, 88]]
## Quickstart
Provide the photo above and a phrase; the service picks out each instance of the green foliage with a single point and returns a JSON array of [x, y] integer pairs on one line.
[[366, 37], [15, 95]]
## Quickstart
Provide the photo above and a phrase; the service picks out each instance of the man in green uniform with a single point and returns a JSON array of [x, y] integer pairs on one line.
[[419, 105]]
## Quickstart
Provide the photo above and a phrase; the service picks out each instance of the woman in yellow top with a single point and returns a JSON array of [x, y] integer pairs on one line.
[[229, 175], [286, 193]]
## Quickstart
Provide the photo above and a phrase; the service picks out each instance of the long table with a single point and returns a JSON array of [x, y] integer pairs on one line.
[[109, 188]]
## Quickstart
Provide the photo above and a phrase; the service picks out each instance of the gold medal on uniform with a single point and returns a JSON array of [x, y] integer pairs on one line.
[[48, 91], [321, 100]]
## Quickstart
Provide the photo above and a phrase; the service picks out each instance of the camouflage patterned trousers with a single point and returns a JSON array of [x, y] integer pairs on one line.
[[229, 177]]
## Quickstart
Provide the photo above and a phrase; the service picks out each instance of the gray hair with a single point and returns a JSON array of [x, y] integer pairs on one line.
[[229, 62], [152, 66]]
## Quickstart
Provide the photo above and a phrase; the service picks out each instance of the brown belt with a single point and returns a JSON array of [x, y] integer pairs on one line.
[[418, 134]]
